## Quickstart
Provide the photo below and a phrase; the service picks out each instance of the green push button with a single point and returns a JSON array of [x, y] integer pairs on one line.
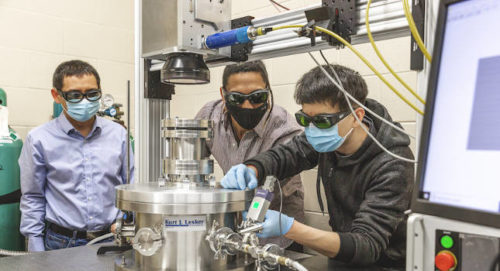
[[446, 241], [256, 205]]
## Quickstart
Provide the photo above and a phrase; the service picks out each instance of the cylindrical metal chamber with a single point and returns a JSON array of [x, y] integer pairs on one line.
[[172, 223], [186, 155], [172, 218]]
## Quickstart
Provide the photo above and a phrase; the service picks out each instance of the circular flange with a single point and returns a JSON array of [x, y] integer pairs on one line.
[[146, 241], [188, 167], [271, 263], [180, 199], [187, 134], [187, 123]]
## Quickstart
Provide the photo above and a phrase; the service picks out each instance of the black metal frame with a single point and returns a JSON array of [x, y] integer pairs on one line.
[[420, 205], [343, 18], [153, 87], [239, 52], [416, 56], [337, 16]]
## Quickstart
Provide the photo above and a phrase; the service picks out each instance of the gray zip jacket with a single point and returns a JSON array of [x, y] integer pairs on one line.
[[367, 192]]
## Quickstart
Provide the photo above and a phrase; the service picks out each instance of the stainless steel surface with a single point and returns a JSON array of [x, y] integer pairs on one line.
[[190, 148], [178, 193], [147, 241], [179, 213], [224, 241], [190, 167], [179, 25], [174, 123], [181, 250], [158, 18], [186, 134], [210, 11], [253, 228], [183, 209], [187, 157], [128, 263], [153, 143], [164, 145]]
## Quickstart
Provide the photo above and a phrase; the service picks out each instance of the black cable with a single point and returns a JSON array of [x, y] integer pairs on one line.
[[12, 197], [281, 206], [279, 5], [496, 262]]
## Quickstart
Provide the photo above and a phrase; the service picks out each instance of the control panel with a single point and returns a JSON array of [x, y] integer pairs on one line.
[[455, 251], [447, 251]]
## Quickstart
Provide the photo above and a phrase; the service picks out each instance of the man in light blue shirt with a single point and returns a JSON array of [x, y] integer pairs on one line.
[[70, 166]]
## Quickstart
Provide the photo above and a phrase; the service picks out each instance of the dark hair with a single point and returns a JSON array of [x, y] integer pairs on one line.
[[253, 66], [72, 68], [315, 87]]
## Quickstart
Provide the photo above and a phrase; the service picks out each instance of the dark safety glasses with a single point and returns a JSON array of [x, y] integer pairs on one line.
[[76, 96], [256, 97], [322, 121]]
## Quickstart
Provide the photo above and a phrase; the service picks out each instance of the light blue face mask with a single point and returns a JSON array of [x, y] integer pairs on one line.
[[83, 110], [325, 140]]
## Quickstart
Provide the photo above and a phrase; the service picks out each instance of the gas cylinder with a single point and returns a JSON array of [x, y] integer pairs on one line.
[[10, 216], [56, 109]]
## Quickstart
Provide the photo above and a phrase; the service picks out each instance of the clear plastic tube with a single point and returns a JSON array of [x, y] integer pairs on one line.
[[13, 253], [100, 238]]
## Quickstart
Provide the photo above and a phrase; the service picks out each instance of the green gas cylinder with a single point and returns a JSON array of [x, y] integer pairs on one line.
[[10, 216], [56, 110]]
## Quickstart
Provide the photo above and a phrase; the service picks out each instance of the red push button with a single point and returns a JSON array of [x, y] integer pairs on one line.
[[445, 261]]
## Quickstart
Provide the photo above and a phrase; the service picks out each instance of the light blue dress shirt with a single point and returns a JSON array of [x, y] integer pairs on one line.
[[68, 179]]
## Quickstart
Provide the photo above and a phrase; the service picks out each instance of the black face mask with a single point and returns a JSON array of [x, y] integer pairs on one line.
[[245, 117]]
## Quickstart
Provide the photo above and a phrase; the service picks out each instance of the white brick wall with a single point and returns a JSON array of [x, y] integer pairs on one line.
[[37, 35]]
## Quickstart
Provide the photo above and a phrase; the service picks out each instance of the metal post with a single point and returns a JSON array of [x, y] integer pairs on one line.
[[128, 131], [166, 150]]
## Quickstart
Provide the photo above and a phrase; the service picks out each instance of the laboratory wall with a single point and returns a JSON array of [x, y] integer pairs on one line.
[[37, 35], [285, 71]]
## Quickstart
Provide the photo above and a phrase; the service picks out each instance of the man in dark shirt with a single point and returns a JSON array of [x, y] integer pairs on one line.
[[367, 189]]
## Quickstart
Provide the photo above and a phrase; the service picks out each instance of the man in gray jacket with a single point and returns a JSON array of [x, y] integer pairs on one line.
[[367, 189]]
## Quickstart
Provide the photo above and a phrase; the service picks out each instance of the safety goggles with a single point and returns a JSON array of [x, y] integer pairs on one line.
[[76, 96], [256, 97], [322, 121]]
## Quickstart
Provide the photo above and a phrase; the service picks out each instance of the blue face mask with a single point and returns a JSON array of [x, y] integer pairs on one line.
[[83, 110], [325, 140]]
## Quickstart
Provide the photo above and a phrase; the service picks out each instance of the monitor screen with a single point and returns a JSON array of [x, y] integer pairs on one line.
[[462, 167]]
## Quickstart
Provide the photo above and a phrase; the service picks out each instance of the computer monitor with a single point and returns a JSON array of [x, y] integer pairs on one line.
[[458, 173]]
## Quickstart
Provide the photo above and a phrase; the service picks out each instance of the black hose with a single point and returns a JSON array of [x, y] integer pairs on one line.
[[495, 263]]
